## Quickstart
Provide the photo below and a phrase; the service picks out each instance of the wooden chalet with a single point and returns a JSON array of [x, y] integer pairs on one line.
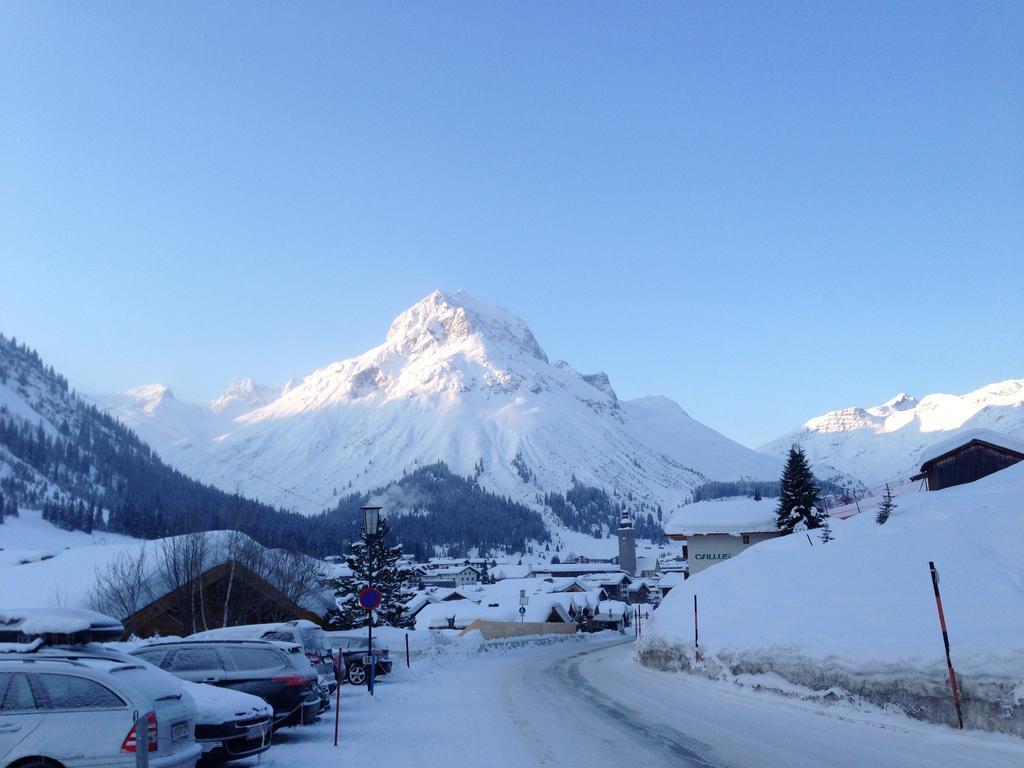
[[967, 458], [251, 600]]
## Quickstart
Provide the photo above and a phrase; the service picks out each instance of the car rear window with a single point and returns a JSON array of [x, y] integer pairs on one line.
[[194, 660], [70, 692], [283, 636], [256, 658], [153, 657], [314, 640], [15, 693]]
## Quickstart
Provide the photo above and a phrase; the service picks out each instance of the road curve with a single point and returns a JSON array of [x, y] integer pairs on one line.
[[589, 703], [565, 719]]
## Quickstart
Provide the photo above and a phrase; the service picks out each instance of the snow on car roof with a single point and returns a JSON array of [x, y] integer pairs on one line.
[[733, 516], [32, 622]]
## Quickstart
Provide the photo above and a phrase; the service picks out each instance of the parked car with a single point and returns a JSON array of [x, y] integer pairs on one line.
[[73, 713], [305, 633], [278, 673], [222, 715], [78, 706], [353, 649], [230, 724]]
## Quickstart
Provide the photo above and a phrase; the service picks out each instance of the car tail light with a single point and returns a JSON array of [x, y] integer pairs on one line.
[[128, 745], [293, 681]]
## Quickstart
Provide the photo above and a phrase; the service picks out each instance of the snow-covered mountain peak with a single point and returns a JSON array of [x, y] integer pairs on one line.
[[243, 394], [149, 396], [451, 319], [900, 402], [887, 441], [462, 381]]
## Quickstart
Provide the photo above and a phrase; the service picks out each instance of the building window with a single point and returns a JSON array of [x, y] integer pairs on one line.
[[746, 538]]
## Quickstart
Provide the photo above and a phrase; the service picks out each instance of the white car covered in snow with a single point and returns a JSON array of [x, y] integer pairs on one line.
[[230, 724], [65, 713]]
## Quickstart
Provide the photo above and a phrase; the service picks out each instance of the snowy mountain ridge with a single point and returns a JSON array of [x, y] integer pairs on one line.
[[456, 379], [887, 441]]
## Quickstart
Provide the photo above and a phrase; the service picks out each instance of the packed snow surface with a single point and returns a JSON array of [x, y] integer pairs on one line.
[[456, 379], [584, 702], [890, 441]]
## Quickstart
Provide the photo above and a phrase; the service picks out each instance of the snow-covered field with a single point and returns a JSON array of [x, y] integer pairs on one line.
[[859, 613], [28, 538], [586, 702]]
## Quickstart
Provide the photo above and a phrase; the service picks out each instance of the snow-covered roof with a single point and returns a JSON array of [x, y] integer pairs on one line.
[[452, 571], [556, 569], [511, 571], [734, 516], [69, 577], [989, 436], [673, 579]]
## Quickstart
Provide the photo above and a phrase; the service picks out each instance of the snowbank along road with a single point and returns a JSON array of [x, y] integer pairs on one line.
[[588, 703]]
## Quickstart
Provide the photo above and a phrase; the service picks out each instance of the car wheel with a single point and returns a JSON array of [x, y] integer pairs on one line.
[[357, 675], [36, 762]]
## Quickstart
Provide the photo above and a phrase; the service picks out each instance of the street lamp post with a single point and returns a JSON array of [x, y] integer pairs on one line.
[[371, 523]]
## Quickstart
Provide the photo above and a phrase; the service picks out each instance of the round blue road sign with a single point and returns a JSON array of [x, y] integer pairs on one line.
[[369, 598]]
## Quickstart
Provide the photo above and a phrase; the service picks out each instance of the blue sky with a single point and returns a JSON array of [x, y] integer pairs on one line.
[[762, 210]]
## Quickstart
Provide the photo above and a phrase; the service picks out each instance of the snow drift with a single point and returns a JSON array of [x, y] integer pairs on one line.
[[858, 614]]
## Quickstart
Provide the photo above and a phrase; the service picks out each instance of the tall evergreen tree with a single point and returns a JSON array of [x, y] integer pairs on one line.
[[799, 497], [886, 507], [372, 558]]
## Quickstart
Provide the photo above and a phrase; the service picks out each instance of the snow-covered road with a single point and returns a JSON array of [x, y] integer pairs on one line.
[[588, 703]]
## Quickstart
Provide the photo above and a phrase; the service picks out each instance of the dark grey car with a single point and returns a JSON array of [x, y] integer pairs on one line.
[[279, 673]]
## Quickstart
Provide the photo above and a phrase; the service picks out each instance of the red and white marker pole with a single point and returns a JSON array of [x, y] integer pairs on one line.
[[945, 641], [696, 634]]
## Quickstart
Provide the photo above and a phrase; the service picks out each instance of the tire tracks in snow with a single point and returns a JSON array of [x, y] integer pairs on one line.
[[552, 703]]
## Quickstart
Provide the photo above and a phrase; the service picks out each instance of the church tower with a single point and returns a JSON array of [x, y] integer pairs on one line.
[[627, 544]]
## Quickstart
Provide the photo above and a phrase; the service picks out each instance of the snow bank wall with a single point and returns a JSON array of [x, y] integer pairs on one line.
[[856, 617], [500, 630], [989, 702]]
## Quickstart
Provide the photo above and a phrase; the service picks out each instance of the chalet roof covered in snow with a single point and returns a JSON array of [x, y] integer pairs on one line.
[[961, 439], [734, 516]]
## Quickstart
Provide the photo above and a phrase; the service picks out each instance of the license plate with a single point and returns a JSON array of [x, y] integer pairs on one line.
[[179, 731], [255, 733]]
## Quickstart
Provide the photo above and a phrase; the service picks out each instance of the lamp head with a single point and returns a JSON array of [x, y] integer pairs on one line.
[[371, 520]]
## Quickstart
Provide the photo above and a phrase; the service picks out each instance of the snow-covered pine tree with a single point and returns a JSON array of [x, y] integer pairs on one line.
[[799, 497], [382, 561], [826, 528], [886, 507]]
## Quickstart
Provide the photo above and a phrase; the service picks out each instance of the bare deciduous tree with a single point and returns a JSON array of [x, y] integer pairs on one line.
[[123, 587]]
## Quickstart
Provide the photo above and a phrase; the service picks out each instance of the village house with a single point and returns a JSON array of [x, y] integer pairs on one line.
[[458, 576], [719, 529]]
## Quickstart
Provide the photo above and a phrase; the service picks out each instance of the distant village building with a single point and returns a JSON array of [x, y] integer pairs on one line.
[[459, 576], [627, 544], [720, 529], [968, 457]]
